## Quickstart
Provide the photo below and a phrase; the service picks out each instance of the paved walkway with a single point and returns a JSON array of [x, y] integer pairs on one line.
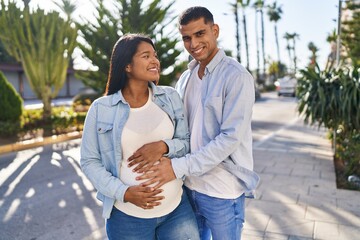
[[297, 197]]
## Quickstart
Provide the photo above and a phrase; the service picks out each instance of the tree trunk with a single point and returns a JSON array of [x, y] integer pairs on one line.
[[46, 100], [257, 47], [263, 41], [246, 42], [277, 43], [295, 58], [238, 52]]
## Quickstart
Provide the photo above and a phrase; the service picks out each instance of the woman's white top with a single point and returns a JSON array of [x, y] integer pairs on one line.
[[147, 124]]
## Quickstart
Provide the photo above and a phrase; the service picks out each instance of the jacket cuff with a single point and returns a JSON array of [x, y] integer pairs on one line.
[[120, 193], [171, 147]]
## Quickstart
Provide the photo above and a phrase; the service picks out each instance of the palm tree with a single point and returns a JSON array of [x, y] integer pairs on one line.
[[274, 13], [257, 47], [288, 37], [259, 5], [314, 50], [238, 42], [331, 39], [291, 47], [244, 4], [294, 36], [67, 7]]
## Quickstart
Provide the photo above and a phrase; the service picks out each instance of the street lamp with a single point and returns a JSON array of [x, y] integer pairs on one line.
[[338, 34]]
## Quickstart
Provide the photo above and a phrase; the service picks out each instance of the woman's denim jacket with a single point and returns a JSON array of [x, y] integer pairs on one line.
[[227, 96], [101, 152]]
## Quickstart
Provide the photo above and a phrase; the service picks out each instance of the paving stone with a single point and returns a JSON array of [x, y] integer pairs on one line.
[[291, 226], [256, 221], [331, 214], [279, 196], [303, 172], [276, 208]]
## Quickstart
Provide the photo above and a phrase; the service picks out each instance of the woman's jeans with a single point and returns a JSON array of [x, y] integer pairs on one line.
[[180, 224], [220, 218]]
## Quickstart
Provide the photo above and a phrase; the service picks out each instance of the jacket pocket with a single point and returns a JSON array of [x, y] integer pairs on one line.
[[105, 133]]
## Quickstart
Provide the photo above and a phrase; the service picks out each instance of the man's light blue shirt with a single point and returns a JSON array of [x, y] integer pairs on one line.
[[227, 98]]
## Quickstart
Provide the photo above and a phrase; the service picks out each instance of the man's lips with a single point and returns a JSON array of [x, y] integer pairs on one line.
[[197, 51]]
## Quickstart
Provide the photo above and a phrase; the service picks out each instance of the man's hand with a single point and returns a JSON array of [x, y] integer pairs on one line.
[[147, 155], [144, 197], [158, 174]]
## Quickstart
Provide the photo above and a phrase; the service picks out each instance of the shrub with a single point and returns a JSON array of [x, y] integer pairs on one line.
[[11, 108], [63, 120], [11, 104], [348, 151], [332, 98]]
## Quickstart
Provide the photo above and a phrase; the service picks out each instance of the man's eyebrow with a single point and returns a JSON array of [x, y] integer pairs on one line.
[[200, 31], [195, 33]]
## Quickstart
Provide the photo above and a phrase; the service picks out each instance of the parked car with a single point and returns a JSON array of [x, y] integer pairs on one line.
[[286, 86]]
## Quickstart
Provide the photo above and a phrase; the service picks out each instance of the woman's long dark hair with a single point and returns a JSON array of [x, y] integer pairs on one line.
[[122, 54]]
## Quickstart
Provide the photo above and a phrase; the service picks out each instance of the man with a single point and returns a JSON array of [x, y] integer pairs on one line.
[[218, 95]]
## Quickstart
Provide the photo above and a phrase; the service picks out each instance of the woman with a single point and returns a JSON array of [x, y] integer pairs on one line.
[[134, 112]]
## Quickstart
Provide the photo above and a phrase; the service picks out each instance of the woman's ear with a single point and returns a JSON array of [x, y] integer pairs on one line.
[[128, 68]]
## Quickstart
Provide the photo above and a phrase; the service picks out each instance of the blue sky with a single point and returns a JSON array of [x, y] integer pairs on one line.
[[313, 20]]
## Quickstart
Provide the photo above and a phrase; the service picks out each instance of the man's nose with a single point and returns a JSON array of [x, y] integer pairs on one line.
[[193, 43]]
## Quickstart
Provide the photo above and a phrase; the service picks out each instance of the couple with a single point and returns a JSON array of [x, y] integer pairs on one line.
[[137, 138]]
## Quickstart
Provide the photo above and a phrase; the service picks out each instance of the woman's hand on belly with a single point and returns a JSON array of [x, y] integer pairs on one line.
[[144, 197], [158, 174], [146, 156]]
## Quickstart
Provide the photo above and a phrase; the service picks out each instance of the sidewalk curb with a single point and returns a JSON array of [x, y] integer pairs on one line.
[[38, 142]]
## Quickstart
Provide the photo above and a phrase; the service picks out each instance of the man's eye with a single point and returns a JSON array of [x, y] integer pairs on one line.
[[186, 39]]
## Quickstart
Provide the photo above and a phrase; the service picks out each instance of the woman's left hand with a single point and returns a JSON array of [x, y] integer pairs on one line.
[[147, 155]]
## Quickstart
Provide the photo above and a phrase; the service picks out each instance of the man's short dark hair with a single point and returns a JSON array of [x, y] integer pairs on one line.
[[195, 13]]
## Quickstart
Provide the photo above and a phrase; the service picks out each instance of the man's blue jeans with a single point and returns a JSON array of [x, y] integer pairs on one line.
[[222, 219], [178, 225]]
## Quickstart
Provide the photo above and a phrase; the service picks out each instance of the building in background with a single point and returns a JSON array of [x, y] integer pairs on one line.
[[16, 76]]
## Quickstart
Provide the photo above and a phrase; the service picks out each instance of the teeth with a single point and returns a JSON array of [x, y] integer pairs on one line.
[[197, 51]]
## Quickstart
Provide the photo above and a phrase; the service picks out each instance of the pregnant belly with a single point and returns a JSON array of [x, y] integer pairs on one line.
[[170, 189], [127, 176]]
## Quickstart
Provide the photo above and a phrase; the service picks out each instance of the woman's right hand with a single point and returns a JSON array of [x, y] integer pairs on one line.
[[144, 197]]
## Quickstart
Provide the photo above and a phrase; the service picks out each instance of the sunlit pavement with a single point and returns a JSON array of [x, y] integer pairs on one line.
[[297, 197]]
